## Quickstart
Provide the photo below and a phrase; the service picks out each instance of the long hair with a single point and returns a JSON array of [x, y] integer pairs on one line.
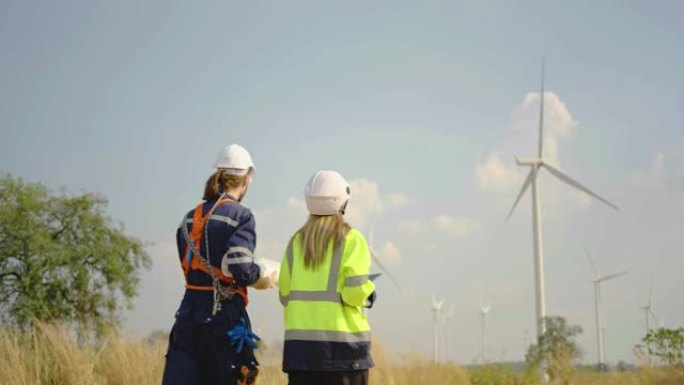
[[317, 233], [221, 181]]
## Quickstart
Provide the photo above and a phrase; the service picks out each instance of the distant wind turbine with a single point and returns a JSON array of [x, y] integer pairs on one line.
[[536, 164], [448, 333], [649, 313], [436, 309], [596, 281], [483, 329]]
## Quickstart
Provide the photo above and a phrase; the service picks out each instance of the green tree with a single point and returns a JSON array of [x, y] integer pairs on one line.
[[558, 348], [667, 345], [63, 258]]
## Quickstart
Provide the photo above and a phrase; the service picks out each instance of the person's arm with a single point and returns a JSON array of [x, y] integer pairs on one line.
[[238, 261], [180, 239], [357, 287], [284, 278]]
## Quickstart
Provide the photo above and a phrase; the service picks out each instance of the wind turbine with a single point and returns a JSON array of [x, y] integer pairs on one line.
[[448, 332], [596, 281], [648, 308], [536, 164], [649, 313], [483, 329], [436, 308]]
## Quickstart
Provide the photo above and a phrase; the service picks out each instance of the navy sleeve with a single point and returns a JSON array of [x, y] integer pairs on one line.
[[180, 238], [238, 261]]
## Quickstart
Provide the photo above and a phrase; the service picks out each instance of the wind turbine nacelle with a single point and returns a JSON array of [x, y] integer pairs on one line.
[[529, 161]]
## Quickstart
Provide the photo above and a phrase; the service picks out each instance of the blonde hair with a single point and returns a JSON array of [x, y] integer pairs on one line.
[[317, 233], [221, 181]]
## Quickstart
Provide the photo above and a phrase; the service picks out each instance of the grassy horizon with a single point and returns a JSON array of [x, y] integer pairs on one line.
[[53, 355]]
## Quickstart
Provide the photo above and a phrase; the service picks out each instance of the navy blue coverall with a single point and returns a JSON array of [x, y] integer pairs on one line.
[[200, 350]]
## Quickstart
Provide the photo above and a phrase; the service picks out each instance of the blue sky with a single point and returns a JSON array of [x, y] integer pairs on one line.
[[421, 105]]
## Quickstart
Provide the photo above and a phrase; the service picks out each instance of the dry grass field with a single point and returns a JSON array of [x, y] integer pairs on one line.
[[53, 356]]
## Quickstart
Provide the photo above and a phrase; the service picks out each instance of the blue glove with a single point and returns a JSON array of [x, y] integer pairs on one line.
[[241, 334]]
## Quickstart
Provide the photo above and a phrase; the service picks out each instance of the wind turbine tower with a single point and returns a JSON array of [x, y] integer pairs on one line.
[[483, 329], [436, 309], [448, 333], [596, 281], [648, 310], [535, 165]]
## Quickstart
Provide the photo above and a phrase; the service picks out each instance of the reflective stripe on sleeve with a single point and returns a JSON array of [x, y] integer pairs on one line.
[[233, 261], [225, 219], [356, 280], [239, 249]]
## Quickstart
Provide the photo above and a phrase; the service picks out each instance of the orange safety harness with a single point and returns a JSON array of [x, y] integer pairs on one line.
[[221, 285]]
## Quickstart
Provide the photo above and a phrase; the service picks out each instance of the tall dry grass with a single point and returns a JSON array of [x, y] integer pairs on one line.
[[52, 355]]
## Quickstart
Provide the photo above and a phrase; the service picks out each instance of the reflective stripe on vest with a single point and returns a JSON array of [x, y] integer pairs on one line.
[[327, 336], [330, 294]]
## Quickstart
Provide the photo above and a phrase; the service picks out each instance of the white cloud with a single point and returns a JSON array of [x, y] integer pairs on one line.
[[410, 226], [658, 161], [276, 224], [659, 187], [494, 175], [390, 255], [296, 204], [397, 200], [507, 177], [364, 204], [558, 122], [271, 249], [461, 227]]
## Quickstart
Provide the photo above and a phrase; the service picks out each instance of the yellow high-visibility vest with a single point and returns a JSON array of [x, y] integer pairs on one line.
[[325, 328]]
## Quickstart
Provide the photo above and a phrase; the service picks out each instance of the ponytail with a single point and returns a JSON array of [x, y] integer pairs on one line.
[[220, 182]]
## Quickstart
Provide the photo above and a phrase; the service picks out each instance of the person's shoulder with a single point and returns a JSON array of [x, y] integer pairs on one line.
[[236, 211], [190, 214], [354, 235]]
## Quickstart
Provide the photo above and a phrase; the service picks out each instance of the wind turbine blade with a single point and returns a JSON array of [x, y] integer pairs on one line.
[[383, 268], [485, 308], [541, 111], [525, 185], [611, 276], [591, 261], [562, 176]]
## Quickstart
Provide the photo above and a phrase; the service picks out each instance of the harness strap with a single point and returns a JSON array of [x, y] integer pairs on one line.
[[193, 258], [198, 223]]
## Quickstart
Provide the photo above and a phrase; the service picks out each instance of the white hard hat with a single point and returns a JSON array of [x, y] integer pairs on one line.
[[235, 160], [326, 193]]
